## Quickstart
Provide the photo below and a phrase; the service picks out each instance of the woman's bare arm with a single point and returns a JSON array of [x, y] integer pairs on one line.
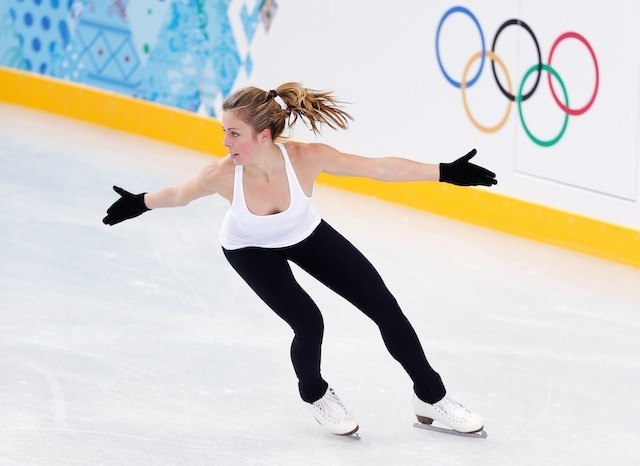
[[203, 184], [460, 171]]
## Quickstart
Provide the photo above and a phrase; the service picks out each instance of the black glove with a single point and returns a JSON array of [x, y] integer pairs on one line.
[[463, 173], [128, 206]]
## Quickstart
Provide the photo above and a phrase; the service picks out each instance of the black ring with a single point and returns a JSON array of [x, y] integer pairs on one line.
[[506, 24], [273, 94]]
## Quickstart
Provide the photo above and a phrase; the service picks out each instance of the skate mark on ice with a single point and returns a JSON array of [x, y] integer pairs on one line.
[[58, 404], [170, 272], [143, 438], [539, 416]]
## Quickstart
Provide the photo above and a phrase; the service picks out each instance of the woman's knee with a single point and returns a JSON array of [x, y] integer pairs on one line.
[[308, 325]]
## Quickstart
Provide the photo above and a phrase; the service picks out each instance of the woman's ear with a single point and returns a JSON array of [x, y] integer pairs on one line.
[[265, 135]]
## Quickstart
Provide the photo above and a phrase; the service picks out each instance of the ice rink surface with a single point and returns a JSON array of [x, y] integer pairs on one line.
[[138, 344]]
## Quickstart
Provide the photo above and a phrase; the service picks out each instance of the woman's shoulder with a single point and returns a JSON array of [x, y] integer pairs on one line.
[[308, 150], [309, 158], [218, 172], [219, 167], [217, 176]]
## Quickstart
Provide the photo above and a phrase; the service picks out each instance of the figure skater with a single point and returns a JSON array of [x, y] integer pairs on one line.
[[271, 221]]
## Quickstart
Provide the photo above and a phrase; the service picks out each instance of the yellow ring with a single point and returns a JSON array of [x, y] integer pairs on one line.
[[463, 87]]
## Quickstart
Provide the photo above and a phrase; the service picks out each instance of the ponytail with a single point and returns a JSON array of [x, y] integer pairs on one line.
[[261, 110]]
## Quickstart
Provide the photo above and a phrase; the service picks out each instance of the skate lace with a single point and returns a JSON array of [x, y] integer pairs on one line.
[[331, 407], [453, 409]]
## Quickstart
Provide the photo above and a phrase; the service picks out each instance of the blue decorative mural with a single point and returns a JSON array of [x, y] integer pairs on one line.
[[183, 53]]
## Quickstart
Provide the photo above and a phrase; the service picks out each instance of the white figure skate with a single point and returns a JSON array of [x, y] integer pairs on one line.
[[332, 414], [450, 413]]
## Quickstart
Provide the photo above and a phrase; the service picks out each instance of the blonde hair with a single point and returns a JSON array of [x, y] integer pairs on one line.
[[260, 110]]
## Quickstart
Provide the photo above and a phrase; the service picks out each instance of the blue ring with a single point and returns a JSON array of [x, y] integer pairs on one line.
[[459, 9]]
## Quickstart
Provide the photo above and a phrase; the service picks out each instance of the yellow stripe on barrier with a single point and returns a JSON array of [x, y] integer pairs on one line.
[[506, 214], [185, 129], [111, 109]]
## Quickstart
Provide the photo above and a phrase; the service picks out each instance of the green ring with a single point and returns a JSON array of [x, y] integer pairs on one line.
[[540, 142]]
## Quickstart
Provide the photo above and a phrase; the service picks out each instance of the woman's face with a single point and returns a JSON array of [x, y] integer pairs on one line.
[[240, 139]]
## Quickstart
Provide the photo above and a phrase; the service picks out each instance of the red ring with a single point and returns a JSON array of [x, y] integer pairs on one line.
[[564, 107]]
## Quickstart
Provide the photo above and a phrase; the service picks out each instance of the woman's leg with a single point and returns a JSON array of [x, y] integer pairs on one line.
[[268, 273], [333, 260]]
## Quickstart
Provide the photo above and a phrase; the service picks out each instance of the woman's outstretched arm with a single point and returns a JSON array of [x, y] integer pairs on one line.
[[129, 205], [461, 171]]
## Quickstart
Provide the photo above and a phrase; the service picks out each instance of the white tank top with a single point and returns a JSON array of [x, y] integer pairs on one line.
[[241, 228]]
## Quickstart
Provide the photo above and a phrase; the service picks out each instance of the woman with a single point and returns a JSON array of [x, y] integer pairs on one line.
[[271, 221]]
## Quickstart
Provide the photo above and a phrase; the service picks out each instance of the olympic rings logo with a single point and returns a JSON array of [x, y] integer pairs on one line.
[[519, 98]]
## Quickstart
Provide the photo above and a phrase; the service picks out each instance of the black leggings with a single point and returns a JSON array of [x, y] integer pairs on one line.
[[334, 261]]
